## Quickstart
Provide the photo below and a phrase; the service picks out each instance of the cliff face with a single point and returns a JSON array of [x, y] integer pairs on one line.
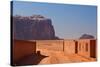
[[34, 27]]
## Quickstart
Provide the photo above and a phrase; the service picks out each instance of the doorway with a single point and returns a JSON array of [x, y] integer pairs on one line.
[[76, 47]]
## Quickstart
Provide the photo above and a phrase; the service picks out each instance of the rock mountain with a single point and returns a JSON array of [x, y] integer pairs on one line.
[[87, 36], [34, 27]]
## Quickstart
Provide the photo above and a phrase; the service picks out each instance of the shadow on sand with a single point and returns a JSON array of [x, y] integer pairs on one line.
[[32, 59]]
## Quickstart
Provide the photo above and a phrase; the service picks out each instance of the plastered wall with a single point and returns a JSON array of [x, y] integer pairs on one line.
[[69, 46], [87, 48], [22, 49], [50, 44], [83, 47]]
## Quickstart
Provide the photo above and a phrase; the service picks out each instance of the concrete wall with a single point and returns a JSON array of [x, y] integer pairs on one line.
[[22, 49], [50, 44], [87, 48], [69, 46]]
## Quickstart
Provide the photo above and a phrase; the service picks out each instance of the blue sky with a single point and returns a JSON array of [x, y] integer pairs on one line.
[[69, 21]]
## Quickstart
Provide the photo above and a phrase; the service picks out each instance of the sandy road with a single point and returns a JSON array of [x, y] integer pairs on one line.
[[56, 57]]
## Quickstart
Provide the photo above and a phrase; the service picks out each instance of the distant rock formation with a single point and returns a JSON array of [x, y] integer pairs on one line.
[[34, 27], [86, 36]]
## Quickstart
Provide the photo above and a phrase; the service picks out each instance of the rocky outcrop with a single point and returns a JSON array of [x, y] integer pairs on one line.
[[86, 36], [34, 27]]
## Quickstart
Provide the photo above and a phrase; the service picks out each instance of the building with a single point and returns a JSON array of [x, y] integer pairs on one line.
[[83, 47], [87, 48]]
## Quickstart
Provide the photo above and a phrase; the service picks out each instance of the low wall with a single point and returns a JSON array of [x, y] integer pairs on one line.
[[22, 48], [69, 46], [83, 47], [50, 44]]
